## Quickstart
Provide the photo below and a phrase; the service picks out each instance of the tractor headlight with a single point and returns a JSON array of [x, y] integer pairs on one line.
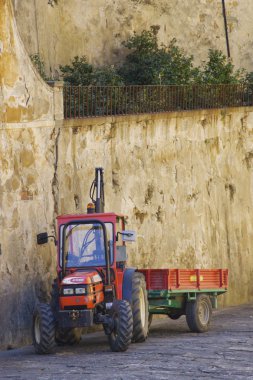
[[80, 290], [68, 291]]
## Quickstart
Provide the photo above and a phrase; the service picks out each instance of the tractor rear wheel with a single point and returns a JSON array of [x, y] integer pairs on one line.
[[43, 331], [68, 336], [122, 322], [139, 308], [198, 313]]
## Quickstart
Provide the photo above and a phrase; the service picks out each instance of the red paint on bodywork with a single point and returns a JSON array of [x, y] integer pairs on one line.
[[117, 277]]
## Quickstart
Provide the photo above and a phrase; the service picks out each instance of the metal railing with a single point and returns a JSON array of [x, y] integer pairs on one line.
[[92, 101]]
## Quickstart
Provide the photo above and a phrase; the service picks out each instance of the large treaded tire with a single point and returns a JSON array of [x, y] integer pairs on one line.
[[150, 319], [198, 313], [43, 330], [120, 337], [68, 336], [139, 308], [55, 296]]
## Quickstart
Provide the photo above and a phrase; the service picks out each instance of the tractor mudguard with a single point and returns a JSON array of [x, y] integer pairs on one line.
[[127, 284]]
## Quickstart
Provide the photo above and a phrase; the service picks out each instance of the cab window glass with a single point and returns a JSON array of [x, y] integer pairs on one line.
[[84, 244]]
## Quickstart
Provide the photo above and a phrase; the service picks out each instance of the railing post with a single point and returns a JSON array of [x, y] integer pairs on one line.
[[58, 99]]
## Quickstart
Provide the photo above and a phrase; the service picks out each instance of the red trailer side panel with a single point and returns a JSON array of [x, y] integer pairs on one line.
[[185, 279]]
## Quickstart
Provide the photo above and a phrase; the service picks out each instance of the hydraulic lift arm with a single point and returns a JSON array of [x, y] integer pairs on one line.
[[97, 190]]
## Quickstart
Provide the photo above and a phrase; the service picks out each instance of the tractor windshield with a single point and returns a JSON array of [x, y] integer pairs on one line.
[[84, 244]]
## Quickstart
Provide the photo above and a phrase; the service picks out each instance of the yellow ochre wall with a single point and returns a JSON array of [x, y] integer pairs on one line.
[[184, 179], [96, 28]]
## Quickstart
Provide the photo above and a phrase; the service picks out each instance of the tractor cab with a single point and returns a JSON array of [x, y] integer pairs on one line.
[[92, 242]]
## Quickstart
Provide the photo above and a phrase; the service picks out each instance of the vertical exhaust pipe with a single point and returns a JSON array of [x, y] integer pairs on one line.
[[97, 191]]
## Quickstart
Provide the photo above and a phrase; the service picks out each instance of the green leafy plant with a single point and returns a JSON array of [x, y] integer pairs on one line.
[[78, 73], [39, 65], [148, 63], [219, 70], [249, 77], [81, 73], [106, 76]]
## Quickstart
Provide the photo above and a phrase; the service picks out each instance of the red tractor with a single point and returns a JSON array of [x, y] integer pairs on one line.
[[93, 285]]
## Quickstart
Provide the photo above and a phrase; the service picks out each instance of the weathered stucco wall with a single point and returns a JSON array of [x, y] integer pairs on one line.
[[97, 28], [29, 110], [184, 179]]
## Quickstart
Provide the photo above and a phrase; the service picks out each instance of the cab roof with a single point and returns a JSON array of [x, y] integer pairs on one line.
[[105, 216]]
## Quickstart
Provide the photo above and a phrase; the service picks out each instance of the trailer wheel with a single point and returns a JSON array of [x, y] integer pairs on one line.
[[139, 308], [198, 313], [68, 336], [122, 326], [43, 330]]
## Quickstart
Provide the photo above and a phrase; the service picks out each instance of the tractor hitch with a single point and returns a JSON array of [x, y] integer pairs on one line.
[[74, 318]]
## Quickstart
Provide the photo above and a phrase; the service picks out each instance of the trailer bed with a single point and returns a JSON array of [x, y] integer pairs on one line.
[[185, 280]]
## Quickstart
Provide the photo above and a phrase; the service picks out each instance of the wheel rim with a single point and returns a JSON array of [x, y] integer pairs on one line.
[[142, 308], [204, 313], [37, 329]]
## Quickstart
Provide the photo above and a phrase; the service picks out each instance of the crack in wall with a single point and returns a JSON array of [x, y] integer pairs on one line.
[[27, 91], [55, 183]]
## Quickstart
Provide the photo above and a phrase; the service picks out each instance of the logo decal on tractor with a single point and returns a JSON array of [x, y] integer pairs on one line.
[[73, 280], [96, 278]]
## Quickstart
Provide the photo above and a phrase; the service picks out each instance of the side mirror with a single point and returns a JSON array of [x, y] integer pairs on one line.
[[128, 235], [42, 238]]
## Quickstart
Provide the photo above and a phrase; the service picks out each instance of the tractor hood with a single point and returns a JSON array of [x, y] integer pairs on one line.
[[82, 278]]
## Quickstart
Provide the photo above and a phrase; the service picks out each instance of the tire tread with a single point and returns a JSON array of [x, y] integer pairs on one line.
[[47, 329], [121, 342]]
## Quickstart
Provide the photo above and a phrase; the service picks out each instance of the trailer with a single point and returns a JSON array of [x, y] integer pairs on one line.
[[190, 292]]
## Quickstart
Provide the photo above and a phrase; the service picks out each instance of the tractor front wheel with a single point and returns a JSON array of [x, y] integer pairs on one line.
[[43, 331], [198, 313], [122, 326]]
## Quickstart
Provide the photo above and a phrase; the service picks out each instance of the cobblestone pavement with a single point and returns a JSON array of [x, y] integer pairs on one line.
[[171, 352]]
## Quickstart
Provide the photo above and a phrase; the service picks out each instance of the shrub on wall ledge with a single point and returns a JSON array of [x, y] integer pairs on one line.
[[39, 65], [147, 63]]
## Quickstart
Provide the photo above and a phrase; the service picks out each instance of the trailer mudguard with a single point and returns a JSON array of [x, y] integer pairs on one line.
[[127, 284]]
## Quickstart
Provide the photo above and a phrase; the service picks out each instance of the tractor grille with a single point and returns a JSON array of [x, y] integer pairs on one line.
[[79, 307]]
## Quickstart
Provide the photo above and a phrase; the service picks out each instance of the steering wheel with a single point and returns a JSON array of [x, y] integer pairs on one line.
[[87, 241]]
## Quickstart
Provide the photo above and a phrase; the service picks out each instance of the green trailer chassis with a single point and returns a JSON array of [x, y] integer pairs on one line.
[[174, 301]]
